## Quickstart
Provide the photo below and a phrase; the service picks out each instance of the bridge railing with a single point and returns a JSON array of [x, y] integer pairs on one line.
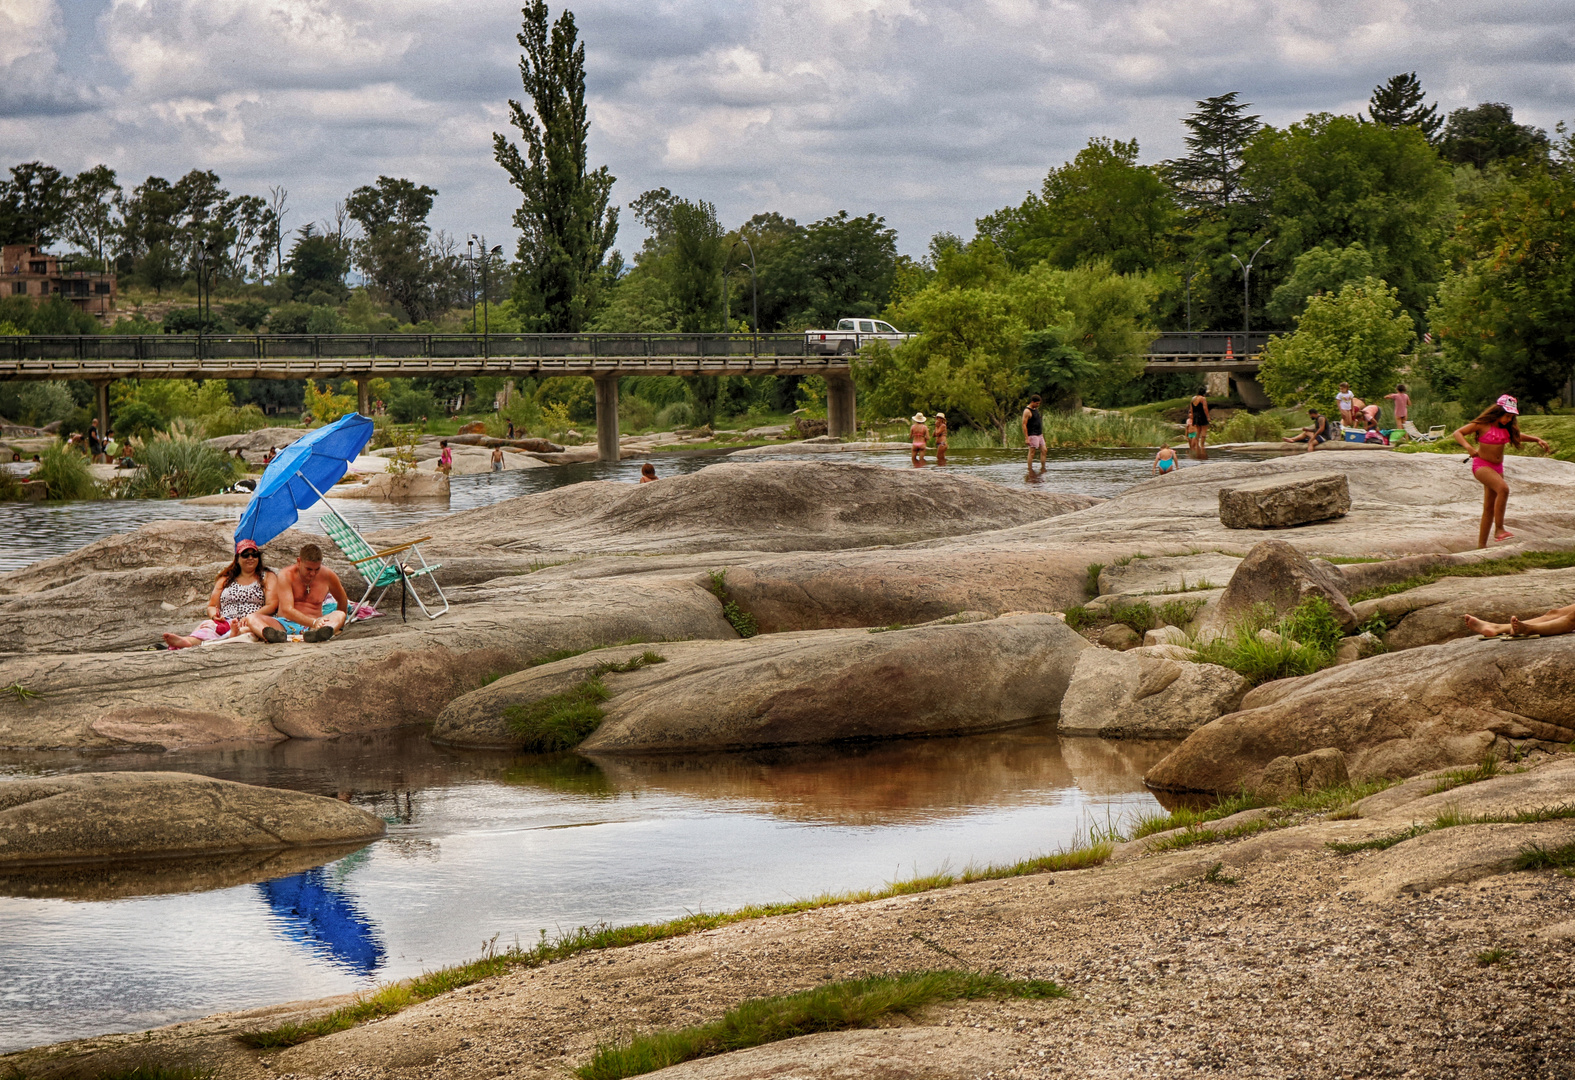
[[396, 346]]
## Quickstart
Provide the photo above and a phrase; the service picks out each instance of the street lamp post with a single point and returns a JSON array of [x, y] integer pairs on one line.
[[486, 257], [470, 259], [1246, 297]]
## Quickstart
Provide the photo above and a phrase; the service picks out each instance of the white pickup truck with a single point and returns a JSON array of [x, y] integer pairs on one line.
[[850, 335]]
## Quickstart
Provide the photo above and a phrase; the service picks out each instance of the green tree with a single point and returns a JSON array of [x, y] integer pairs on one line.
[[393, 250], [1488, 134], [839, 267], [1100, 205], [92, 220], [1321, 270], [1210, 176], [566, 227], [148, 217], [1503, 315], [35, 204], [1335, 181], [317, 263], [1400, 101], [1357, 335]]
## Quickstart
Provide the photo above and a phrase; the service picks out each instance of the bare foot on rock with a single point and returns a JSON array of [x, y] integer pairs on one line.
[[1486, 629]]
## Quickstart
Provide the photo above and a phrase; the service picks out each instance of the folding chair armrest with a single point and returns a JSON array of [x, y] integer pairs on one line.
[[391, 551]]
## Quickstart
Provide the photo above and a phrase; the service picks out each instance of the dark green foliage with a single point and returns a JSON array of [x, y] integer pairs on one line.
[[53, 316], [1379, 843], [192, 321], [566, 226], [1210, 176], [409, 406], [67, 474], [137, 418], [837, 268], [247, 314], [634, 663], [1400, 101], [1307, 639], [1215, 875], [35, 204], [1488, 134], [559, 722], [393, 252], [1313, 624], [741, 620], [317, 262], [181, 469], [1091, 585], [837, 1006]]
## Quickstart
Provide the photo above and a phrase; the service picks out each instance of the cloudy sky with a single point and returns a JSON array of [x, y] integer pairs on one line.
[[928, 112]]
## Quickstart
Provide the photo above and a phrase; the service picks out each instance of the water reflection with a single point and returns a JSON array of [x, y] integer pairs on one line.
[[311, 909]]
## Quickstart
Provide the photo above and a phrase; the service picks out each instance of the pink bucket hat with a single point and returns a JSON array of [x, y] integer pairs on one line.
[[1509, 405]]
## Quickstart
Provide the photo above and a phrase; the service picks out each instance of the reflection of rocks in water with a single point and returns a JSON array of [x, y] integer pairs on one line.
[[569, 773], [1112, 766], [157, 877], [877, 783], [328, 922]]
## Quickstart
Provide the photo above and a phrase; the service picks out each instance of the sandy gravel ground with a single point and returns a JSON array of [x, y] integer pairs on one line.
[[1310, 964]]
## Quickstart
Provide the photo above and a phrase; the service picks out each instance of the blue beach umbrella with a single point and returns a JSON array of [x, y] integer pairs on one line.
[[300, 474]]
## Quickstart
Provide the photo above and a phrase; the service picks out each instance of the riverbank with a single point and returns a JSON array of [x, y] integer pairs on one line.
[[1252, 951]]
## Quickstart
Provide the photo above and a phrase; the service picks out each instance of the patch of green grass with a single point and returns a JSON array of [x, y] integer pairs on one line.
[[1452, 818], [1377, 843], [388, 1000], [1485, 770], [18, 691], [741, 620], [1188, 818], [560, 721], [1537, 857], [1091, 584], [1337, 798], [1489, 957], [634, 663], [1514, 564], [565, 654], [1216, 875], [1079, 617], [1305, 642], [1193, 837], [1179, 612], [836, 1006]]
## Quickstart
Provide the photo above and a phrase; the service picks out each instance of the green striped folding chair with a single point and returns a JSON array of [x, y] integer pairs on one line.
[[382, 569]]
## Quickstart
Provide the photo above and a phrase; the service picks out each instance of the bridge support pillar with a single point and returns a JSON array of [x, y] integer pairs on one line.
[[1251, 391], [606, 417], [363, 397], [841, 420], [101, 392]]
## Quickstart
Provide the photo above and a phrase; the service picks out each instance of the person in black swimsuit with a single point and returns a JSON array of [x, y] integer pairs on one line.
[[1034, 432], [1200, 422]]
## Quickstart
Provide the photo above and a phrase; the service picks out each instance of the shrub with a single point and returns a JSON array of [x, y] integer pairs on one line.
[[409, 406], [677, 415], [1243, 426], [137, 418], [1304, 642], [179, 468], [561, 721], [67, 474], [576, 393], [40, 403], [325, 405]]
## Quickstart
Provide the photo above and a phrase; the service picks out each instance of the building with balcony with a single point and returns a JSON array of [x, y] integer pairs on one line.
[[27, 271]]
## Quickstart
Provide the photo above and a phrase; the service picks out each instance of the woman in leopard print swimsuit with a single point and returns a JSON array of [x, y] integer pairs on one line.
[[245, 587]]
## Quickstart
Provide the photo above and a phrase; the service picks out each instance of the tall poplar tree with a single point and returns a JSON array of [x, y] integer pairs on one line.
[[566, 226], [1400, 101]]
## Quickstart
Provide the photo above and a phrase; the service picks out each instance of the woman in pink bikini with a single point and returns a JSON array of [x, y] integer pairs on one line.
[[1495, 429]]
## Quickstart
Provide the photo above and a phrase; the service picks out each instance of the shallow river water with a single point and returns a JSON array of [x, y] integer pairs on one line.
[[483, 844]]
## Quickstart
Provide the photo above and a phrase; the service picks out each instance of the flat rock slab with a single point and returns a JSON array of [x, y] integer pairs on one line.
[[1146, 693], [748, 506], [1431, 614], [1167, 574], [907, 1053], [810, 687], [1280, 502], [123, 815], [1399, 714]]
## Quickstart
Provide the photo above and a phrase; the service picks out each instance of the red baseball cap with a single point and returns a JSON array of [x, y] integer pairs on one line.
[[246, 545]]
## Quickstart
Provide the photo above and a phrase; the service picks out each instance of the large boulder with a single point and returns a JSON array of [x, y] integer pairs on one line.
[[126, 815], [750, 506], [1393, 715], [789, 689], [396, 488], [1277, 575], [1146, 694], [1435, 613], [1280, 502], [257, 442]]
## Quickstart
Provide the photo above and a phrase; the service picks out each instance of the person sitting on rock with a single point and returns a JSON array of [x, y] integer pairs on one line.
[[1312, 436], [245, 588], [312, 602], [1558, 621]]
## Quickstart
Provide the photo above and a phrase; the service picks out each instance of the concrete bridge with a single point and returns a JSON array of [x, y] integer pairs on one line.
[[103, 358]]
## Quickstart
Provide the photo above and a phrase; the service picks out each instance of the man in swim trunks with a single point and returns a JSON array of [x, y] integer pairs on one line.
[[1312, 436], [312, 602], [1034, 432]]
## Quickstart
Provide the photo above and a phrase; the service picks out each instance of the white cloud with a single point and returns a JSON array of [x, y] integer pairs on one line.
[[931, 112]]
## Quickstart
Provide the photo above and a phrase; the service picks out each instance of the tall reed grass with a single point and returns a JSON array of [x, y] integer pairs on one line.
[[179, 468], [1068, 431]]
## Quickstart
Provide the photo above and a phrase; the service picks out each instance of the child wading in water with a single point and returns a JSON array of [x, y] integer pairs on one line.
[[919, 435], [1495, 429], [1164, 462]]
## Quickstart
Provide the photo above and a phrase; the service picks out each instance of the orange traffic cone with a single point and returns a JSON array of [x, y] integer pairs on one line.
[[1230, 353]]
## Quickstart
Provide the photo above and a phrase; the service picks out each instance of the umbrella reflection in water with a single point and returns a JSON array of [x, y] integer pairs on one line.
[[309, 910]]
